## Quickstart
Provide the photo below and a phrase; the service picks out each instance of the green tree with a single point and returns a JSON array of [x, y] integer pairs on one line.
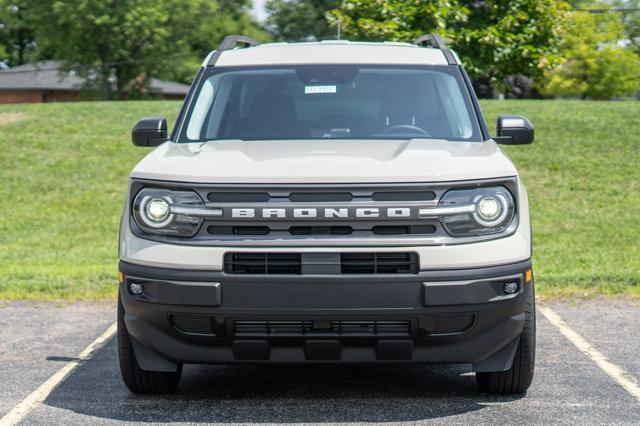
[[116, 41], [502, 38], [17, 39], [630, 15], [397, 20], [194, 35], [496, 38], [296, 20], [596, 64]]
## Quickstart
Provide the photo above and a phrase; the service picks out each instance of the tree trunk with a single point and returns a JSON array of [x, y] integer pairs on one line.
[[105, 74], [123, 76], [21, 42]]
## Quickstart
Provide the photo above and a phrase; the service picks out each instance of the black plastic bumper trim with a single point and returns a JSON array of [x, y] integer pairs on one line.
[[424, 275]]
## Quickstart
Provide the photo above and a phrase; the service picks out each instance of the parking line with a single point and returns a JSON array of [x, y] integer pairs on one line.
[[18, 412], [627, 381]]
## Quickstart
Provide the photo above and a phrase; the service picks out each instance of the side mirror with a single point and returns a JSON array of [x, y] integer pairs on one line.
[[514, 130], [149, 131]]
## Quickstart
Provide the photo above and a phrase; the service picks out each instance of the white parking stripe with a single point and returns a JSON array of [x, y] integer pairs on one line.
[[628, 382], [18, 412]]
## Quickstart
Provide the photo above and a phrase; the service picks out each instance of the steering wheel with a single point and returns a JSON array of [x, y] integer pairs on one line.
[[405, 129]]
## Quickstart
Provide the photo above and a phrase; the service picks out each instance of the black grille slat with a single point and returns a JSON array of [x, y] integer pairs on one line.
[[238, 197], [452, 323], [238, 230], [403, 229], [379, 263], [336, 328], [320, 197], [269, 328], [192, 324], [321, 230], [292, 263], [404, 196], [263, 263]]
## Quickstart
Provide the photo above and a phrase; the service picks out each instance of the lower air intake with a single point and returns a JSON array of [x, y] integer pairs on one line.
[[452, 323], [192, 324], [322, 328], [263, 263], [379, 263]]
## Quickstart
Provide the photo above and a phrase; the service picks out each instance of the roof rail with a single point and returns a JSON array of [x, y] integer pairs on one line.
[[230, 42], [434, 40]]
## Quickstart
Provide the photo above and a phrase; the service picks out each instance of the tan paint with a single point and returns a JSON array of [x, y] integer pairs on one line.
[[325, 161]]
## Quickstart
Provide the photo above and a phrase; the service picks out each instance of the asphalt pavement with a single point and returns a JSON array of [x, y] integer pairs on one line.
[[569, 387]]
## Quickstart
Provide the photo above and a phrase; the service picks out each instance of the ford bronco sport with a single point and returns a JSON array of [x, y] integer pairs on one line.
[[327, 202]]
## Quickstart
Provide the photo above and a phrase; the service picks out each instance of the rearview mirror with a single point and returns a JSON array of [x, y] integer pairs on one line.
[[149, 131], [514, 130]]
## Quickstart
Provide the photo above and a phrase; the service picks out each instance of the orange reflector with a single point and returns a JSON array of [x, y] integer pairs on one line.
[[528, 276], [120, 277]]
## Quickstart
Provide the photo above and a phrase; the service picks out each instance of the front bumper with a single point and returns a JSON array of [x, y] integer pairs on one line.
[[447, 316]]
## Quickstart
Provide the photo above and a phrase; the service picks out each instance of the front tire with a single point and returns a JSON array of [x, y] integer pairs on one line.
[[139, 380], [518, 378]]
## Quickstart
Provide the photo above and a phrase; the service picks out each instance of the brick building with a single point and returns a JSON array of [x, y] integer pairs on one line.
[[46, 82]]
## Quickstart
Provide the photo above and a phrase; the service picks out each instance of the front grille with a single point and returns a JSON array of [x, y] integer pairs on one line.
[[379, 263], [342, 214], [192, 324], [452, 323], [327, 264], [258, 328], [322, 215], [263, 263]]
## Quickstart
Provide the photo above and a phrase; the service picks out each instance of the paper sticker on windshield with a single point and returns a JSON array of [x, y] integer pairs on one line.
[[308, 90]]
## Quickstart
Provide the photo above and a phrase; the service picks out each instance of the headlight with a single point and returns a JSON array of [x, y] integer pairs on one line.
[[162, 211], [482, 211]]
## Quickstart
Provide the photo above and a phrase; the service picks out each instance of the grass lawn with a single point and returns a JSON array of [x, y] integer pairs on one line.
[[63, 174]]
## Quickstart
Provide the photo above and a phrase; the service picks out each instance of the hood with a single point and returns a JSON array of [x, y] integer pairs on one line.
[[325, 161]]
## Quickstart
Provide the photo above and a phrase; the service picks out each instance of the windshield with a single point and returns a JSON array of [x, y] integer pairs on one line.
[[331, 102]]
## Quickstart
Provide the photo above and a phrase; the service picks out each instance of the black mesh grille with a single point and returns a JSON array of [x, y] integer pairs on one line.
[[192, 324], [452, 323], [322, 328], [379, 263], [263, 263]]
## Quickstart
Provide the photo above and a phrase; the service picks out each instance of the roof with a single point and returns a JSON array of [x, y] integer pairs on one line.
[[45, 75], [49, 75], [167, 87], [332, 52]]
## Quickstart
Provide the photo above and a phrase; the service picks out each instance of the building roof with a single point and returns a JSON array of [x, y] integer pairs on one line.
[[49, 75], [332, 52]]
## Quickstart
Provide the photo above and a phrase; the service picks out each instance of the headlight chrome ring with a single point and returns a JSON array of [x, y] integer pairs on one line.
[[491, 204], [147, 207]]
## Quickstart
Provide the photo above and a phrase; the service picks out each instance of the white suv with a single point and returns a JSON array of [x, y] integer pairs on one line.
[[329, 202]]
